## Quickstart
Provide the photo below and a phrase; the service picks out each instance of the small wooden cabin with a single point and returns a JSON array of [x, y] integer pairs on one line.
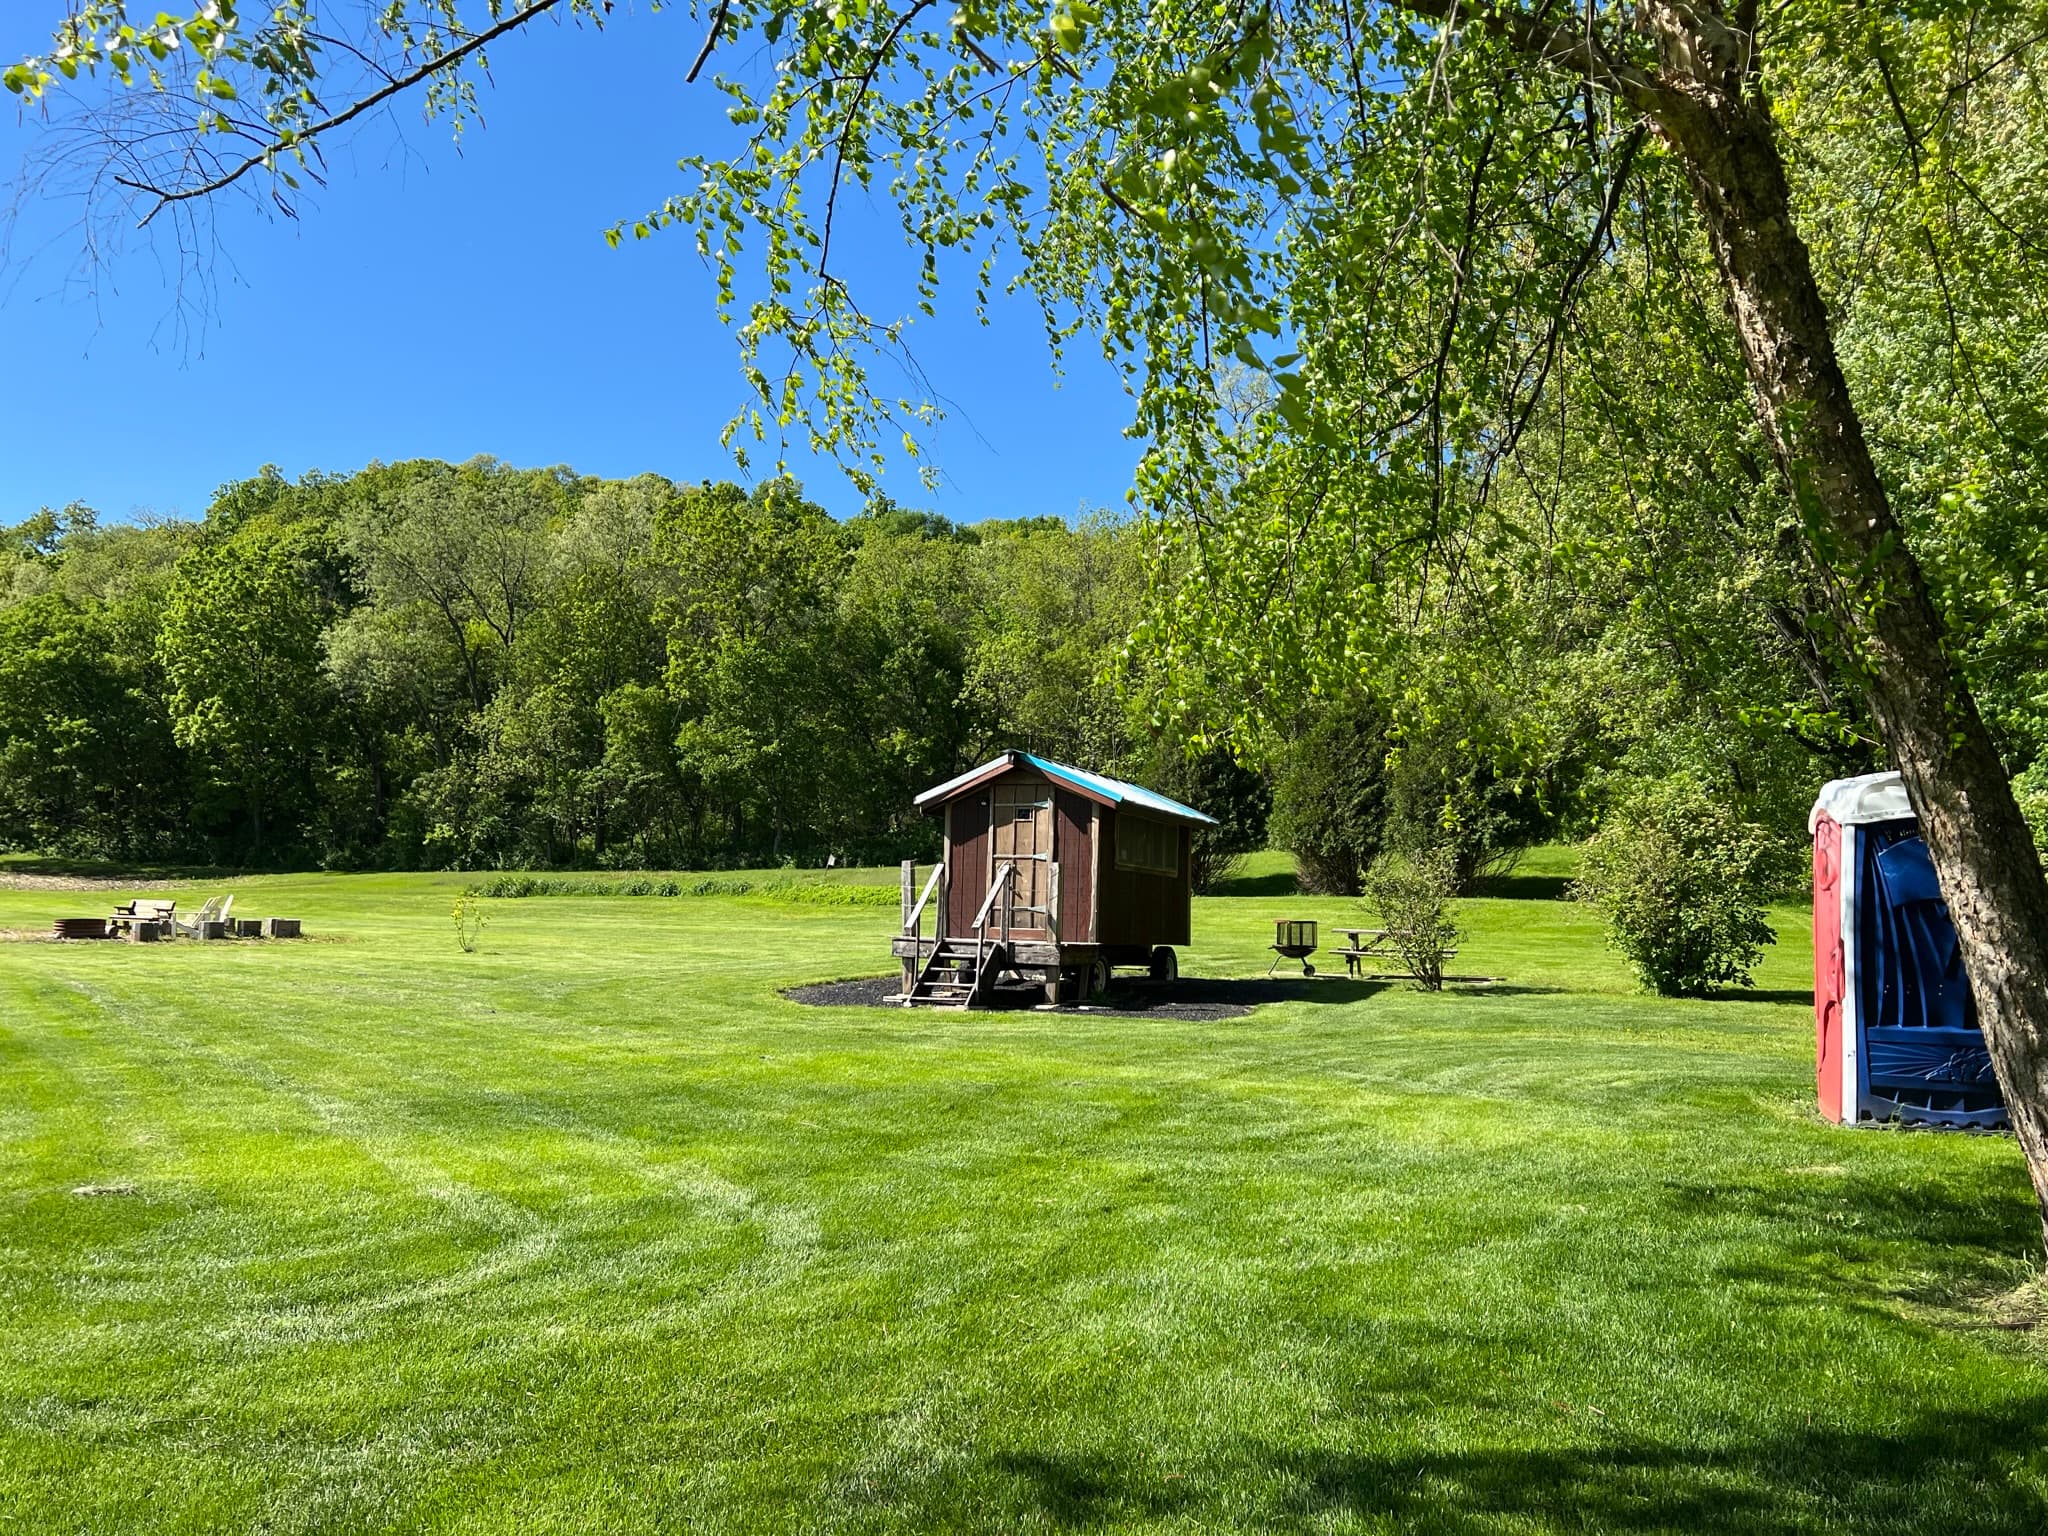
[[1050, 874]]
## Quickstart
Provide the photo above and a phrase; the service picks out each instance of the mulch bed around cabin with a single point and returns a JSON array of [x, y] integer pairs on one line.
[[1188, 998]]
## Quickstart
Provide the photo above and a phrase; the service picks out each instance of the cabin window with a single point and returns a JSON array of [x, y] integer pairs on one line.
[[1151, 846]]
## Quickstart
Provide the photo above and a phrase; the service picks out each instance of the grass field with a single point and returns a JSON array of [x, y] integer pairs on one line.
[[592, 1231]]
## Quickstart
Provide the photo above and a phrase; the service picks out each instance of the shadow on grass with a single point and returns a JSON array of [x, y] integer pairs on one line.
[[1073, 1490], [1190, 997], [111, 872], [1824, 1212], [1800, 995], [1279, 883], [1831, 1233], [1243, 992], [1947, 1470], [1939, 1472], [1523, 887]]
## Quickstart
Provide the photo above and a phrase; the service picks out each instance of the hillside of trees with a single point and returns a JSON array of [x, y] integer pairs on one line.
[[479, 666], [425, 664]]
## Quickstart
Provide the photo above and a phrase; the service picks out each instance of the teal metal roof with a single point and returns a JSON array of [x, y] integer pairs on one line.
[[1097, 786]]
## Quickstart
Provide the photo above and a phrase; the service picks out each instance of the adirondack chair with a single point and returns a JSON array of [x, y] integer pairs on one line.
[[210, 911]]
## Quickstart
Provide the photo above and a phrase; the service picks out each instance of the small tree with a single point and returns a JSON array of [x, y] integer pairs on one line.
[[1411, 895], [469, 920], [1683, 881], [1329, 800]]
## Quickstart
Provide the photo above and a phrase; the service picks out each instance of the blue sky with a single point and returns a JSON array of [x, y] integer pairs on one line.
[[430, 302]]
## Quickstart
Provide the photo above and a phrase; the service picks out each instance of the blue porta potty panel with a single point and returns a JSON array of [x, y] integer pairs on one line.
[[1923, 1054], [1905, 1045]]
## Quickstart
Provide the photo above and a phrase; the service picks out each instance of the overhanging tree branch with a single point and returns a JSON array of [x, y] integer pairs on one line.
[[395, 85]]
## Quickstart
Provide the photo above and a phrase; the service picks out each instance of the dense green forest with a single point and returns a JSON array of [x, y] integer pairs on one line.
[[475, 665], [432, 665]]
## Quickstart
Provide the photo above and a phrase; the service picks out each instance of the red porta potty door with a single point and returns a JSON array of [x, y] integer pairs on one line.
[[1829, 969]]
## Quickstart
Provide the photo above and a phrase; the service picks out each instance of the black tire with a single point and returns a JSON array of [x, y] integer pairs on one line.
[[1098, 979], [1307, 969], [1165, 964]]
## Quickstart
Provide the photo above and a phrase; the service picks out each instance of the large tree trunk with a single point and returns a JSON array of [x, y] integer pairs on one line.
[[1983, 852]]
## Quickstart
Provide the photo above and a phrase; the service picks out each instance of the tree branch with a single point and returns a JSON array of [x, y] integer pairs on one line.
[[396, 84], [710, 40], [1577, 49]]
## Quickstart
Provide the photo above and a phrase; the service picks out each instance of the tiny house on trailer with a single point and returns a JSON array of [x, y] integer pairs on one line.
[[1895, 1026], [1049, 874]]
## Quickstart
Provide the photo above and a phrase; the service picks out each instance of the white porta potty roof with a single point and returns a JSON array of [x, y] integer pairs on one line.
[[1873, 797]]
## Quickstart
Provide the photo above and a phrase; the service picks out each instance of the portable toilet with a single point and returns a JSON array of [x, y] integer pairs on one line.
[[1896, 1034]]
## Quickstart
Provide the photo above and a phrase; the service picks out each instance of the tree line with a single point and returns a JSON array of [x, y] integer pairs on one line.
[[426, 664], [479, 666]]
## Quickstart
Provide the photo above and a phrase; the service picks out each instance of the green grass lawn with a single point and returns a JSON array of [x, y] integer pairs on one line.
[[592, 1231]]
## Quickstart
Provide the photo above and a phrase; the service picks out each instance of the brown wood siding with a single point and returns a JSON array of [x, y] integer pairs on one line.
[[1071, 849], [1137, 908], [1021, 825], [967, 874]]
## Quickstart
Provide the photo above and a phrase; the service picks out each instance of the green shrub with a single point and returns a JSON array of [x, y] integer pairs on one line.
[[1329, 799], [816, 893], [820, 894], [552, 885], [469, 921], [507, 885], [1683, 881], [1411, 896]]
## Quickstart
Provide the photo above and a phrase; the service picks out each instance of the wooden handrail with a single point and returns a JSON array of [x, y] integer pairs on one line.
[[916, 969], [1006, 873], [1006, 877], [914, 923]]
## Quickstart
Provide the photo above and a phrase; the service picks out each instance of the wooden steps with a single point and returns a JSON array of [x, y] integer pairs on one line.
[[956, 974]]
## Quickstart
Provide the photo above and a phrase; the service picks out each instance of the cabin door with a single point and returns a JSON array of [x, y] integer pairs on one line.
[[1021, 832]]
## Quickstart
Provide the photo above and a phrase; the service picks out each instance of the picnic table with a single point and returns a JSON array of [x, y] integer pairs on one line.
[[1365, 944], [129, 913]]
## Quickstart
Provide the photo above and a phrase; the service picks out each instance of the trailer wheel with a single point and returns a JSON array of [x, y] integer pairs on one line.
[[1098, 979], [1165, 964]]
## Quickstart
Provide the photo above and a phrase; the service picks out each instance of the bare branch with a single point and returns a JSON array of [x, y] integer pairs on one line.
[[268, 154], [710, 41]]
